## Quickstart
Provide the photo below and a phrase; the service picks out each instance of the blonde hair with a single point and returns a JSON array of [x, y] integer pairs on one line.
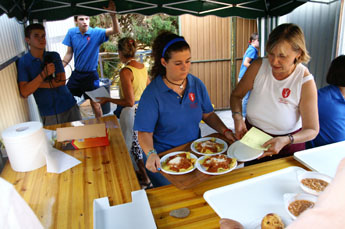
[[292, 34]]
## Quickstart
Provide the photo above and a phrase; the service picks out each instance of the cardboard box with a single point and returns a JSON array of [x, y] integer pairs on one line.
[[81, 137]]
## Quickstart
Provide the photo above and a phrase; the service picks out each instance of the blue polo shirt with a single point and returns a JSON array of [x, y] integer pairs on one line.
[[50, 101], [251, 53], [173, 120], [331, 105], [85, 47]]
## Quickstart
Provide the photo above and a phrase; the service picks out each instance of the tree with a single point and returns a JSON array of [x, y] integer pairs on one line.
[[142, 28]]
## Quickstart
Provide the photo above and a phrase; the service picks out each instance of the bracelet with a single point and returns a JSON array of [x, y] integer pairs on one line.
[[291, 139], [151, 152], [236, 112], [226, 130]]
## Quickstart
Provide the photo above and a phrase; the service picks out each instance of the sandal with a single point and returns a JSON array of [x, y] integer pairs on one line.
[[146, 185]]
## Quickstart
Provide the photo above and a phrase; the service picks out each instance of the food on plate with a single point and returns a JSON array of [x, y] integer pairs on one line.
[[298, 206], [217, 163], [315, 184], [181, 162], [209, 146], [272, 221]]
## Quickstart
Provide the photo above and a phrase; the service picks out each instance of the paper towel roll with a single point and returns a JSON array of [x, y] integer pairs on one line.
[[26, 146]]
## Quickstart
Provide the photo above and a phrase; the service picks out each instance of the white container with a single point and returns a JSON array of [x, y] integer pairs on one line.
[[291, 197], [312, 175]]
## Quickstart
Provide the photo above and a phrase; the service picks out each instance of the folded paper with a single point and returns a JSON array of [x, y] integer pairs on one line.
[[255, 138]]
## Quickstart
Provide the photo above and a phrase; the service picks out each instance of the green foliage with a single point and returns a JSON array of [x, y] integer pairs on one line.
[[143, 29], [146, 32]]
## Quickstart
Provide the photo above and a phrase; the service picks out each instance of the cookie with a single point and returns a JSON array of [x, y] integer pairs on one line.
[[272, 221]]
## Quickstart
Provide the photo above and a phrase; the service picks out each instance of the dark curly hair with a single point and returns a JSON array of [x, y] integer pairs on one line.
[[336, 72], [127, 46], [157, 51]]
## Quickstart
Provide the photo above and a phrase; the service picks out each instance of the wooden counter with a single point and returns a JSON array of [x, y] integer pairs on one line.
[[167, 198], [66, 200]]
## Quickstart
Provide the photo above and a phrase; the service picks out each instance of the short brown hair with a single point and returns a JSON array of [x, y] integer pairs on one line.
[[253, 37], [336, 72], [28, 29], [292, 34]]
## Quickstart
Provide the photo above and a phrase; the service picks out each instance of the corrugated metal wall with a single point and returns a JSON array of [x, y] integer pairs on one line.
[[55, 33], [319, 22], [341, 38], [245, 28], [210, 41], [11, 38], [14, 109]]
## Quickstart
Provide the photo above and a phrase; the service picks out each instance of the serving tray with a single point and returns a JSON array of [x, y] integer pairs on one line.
[[250, 200]]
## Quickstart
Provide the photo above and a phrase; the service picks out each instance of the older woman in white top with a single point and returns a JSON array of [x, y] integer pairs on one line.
[[283, 101]]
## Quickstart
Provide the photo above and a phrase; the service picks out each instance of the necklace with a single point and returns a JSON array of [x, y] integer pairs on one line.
[[129, 61], [180, 85]]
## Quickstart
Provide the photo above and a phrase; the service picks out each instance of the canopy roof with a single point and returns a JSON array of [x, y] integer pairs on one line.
[[51, 10]]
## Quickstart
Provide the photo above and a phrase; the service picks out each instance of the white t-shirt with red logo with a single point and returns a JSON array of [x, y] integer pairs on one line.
[[273, 104]]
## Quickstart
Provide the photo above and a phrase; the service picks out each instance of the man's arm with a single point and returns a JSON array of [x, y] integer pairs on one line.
[[68, 56], [115, 29], [27, 88]]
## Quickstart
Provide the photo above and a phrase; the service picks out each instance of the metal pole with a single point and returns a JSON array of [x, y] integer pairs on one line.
[[100, 65], [233, 54]]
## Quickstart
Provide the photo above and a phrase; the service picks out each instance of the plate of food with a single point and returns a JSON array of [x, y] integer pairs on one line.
[[216, 164], [313, 182], [296, 203], [209, 146], [178, 163], [243, 152]]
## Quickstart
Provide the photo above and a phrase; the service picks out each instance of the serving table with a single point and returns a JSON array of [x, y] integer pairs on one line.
[[66, 200], [164, 199]]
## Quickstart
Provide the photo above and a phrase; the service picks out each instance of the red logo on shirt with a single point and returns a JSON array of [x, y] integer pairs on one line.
[[286, 92], [88, 39], [191, 96]]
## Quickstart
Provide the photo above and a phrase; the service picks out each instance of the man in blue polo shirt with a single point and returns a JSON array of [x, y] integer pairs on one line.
[[250, 55], [84, 41], [41, 73]]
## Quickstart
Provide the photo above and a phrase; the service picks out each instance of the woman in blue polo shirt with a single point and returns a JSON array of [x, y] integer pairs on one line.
[[172, 105], [331, 103]]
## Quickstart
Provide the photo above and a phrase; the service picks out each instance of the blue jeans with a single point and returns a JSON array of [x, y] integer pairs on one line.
[[244, 104]]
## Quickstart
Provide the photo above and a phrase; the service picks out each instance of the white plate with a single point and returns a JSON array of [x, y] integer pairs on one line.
[[243, 152], [250, 200], [316, 175], [209, 138], [165, 157], [203, 170]]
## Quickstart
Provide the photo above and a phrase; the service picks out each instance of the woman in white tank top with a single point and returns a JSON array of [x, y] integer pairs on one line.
[[283, 101]]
